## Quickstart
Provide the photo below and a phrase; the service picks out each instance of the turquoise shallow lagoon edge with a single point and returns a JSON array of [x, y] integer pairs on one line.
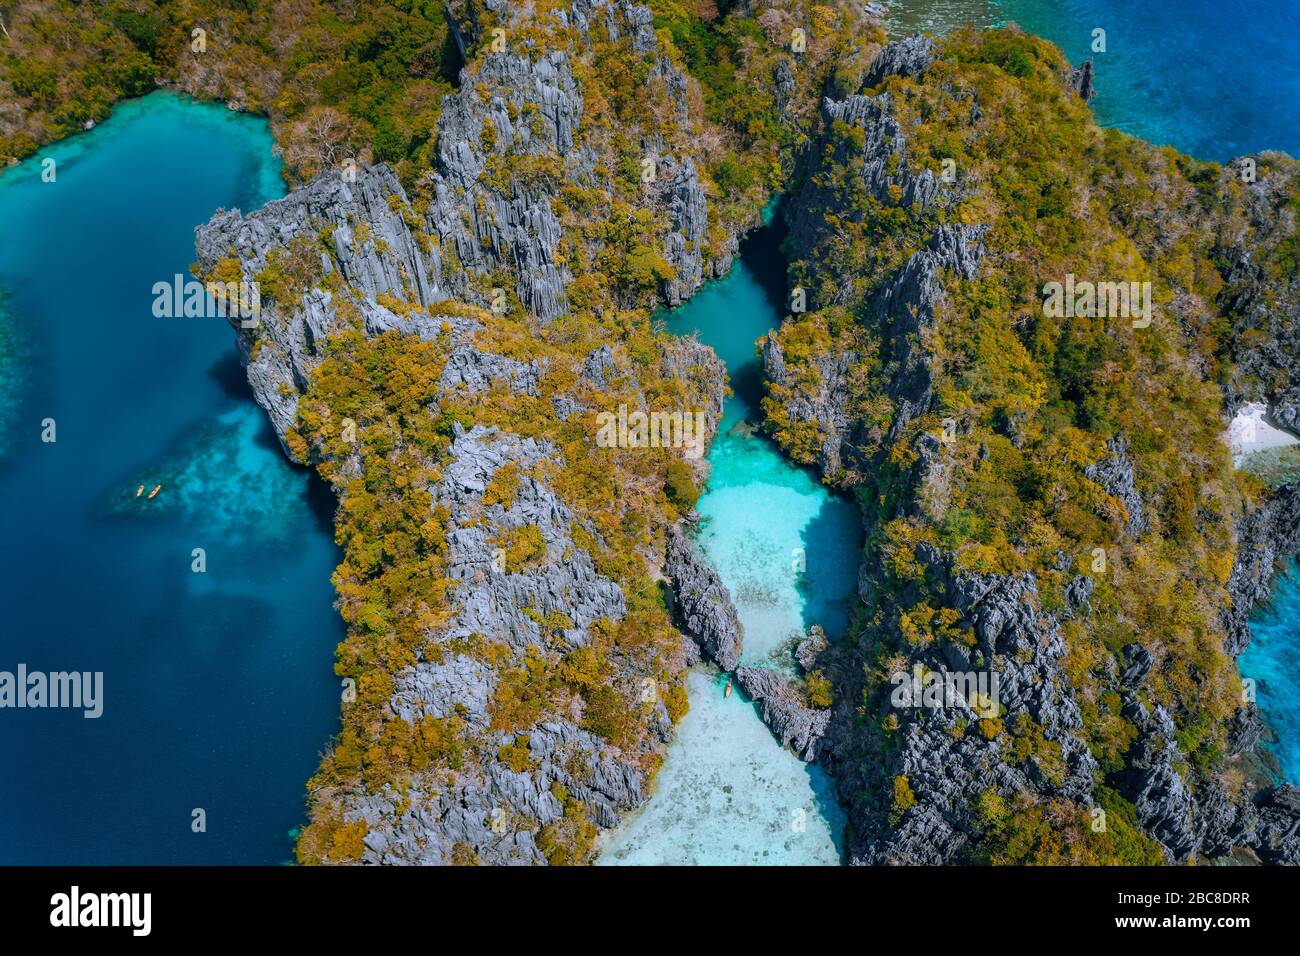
[[788, 550], [218, 692]]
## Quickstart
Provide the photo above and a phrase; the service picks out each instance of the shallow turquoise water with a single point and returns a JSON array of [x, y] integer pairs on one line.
[[1273, 660], [218, 687], [788, 551]]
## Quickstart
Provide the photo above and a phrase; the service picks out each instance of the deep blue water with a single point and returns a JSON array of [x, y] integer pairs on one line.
[[218, 689], [1213, 79], [1210, 78]]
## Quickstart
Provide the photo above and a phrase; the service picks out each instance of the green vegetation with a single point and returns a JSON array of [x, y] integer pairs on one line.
[[1057, 833], [1032, 400], [392, 584], [337, 82]]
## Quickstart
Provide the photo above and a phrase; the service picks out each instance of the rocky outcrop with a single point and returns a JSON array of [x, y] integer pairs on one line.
[[703, 606], [947, 763], [810, 648], [783, 709], [1081, 80], [370, 252], [1278, 826], [492, 214], [1266, 536], [505, 604], [493, 598], [532, 107], [1261, 296], [688, 217], [906, 306], [1115, 474], [1150, 781], [426, 825], [913, 791], [909, 57], [906, 303]]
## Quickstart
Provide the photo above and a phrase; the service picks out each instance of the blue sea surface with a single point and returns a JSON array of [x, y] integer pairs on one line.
[[218, 693], [1214, 80]]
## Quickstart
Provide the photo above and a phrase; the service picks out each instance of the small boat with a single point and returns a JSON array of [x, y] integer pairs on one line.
[[139, 491], [156, 489], [728, 686]]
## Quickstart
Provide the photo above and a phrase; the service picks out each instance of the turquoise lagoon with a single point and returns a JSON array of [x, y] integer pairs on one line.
[[788, 550], [218, 691]]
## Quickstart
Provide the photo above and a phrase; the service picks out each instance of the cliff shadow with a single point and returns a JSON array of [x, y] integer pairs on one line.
[[832, 543], [761, 254]]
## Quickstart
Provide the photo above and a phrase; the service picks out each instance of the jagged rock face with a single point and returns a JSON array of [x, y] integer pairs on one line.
[[1265, 537], [494, 601], [1263, 301], [704, 608], [425, 825], [1278, 826], [880, 165], [1115, 474], [481, 229], [906, 305], [369, 246], [520, 105], [1081, 80], [810, 648], [910, 56], [1157, 791], [947, 767], [690, 360], [793, 722], [688, 215]]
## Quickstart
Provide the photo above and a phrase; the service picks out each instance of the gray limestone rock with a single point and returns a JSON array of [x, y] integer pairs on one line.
[[793, 722], [909, 57], [1115, 475], [703, 603]]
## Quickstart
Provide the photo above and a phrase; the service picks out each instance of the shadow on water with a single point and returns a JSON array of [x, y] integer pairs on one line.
[[828, 587], [228, 373], [321, 501], [760, 252], [828, 804]]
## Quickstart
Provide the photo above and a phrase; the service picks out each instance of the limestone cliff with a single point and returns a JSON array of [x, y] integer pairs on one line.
[[442, 351], [1093, 553]]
